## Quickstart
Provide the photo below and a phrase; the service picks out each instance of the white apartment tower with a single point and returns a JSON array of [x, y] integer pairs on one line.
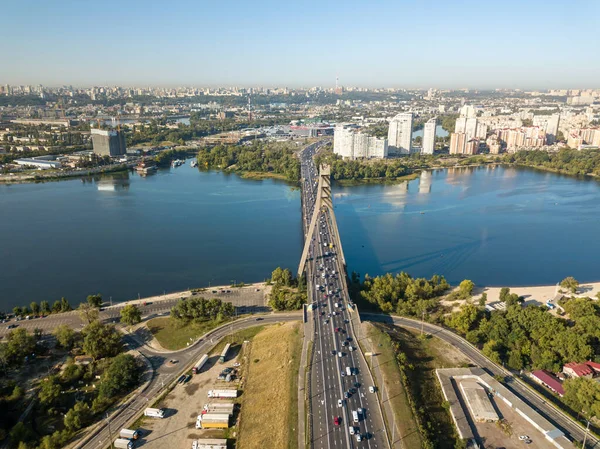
[[352, 144], [400, 133], [429, 136]]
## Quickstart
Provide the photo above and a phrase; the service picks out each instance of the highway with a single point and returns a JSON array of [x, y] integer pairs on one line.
[[166, 373], [559, 419], [343, 414]]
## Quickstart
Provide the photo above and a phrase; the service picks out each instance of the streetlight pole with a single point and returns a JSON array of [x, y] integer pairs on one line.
[[109, 430], [586, 433]]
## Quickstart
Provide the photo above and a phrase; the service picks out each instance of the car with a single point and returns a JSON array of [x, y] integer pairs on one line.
[[361, 411], [333, 352], [372, 389], [340, 403], [340, 354], [352, 430], [11, 326], [346, 395], [349, 338], [524, 437], [358, 437], [337, 421], [527, 441], [181, 379], [357, 384], [352, 390], [259, 319], [327, 321], [344, 343], [337, 329]]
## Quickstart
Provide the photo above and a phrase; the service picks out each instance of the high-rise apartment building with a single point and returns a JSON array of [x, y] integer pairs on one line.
[[461, 125], [429, 136], [350, 143], [400, 133], [458, 142], [108, 142], [468, 111], [549, 123]]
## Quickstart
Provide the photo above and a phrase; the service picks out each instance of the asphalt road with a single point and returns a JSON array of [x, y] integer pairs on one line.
[[571, 429], [165, 373], [335, 346]]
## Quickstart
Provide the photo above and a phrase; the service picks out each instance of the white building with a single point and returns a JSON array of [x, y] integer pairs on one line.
[[429, 136], [471, 128], [400, 133], [350, 143], [549, 123], [468, 111]]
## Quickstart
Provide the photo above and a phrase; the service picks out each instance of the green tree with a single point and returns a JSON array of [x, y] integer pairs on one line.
[[45, 307], [465, 288], [49, 391], [464, 320], [95, 300], [64, 305], [483, 300], [65, 336], [122, 374], [570, 283], [35, 308], [18, 311], [504, 292], [78, 417], [101, 340], [21, 433], [87, 312], [583, 394], [19, 344], [56, 307], [130, 315]]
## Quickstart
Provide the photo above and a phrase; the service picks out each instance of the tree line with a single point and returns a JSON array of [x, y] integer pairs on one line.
[[572, 162], [258, 157], [76, 390], [201, 309]]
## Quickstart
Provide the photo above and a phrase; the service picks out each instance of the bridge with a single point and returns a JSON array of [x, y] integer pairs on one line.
[[342, 413]]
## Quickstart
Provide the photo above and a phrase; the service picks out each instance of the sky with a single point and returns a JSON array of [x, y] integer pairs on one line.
[[376, 43]]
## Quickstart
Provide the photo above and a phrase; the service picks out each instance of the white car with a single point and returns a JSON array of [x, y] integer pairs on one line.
[[358, 437], [351, 430], [340, 402], [340, 354], [524, 437]]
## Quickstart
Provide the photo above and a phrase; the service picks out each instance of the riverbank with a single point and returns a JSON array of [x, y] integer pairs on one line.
[[389, 181], [41, 176], [261, 286]]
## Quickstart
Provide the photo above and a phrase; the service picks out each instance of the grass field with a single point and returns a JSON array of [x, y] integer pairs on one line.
[[423, 357], [269, 411], [386, 358], [172, 336]]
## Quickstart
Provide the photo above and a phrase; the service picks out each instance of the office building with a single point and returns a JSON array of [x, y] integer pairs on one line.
[[108, 142], [429, 136], [400, 133], [350, 143]]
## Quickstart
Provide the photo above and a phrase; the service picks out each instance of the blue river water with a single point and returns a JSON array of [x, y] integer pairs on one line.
[[125, 235]]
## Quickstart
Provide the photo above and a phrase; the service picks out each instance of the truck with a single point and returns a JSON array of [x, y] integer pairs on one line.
[[212, 421], [224, 353], [222, 393], [154, 412], [216, 407], [129, 434], [198, 366], [123, 443]]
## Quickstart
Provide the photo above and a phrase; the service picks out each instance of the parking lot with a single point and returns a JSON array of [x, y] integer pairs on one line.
[[182, 406]]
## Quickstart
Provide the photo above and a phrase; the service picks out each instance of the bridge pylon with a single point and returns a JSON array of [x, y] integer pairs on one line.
[[323, 203]]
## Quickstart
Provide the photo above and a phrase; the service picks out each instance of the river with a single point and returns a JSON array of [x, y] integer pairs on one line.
[[126, 235]]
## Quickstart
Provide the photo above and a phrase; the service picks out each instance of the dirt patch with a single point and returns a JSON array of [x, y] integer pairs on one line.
[[269, 403]]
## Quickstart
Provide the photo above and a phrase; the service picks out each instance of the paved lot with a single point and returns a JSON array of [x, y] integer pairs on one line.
[[494, 437], [182, 406]]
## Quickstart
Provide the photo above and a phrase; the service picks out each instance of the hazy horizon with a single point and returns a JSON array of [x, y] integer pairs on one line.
[[405, 44]]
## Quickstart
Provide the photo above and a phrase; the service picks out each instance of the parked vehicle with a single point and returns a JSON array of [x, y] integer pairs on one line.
[[154, 412], [212, 421], [122, 443], [198, 366], [222, 393], [129, 434], [372, 389]]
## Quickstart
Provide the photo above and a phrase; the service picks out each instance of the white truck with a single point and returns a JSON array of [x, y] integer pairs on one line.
[[212, 421], [198, 366], [218, 407], [348, 371], [154, 412], [129, 434], [222, 393], [122, 443]]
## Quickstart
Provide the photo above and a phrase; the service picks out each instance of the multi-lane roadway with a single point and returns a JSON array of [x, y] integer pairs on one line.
[[343, 413]]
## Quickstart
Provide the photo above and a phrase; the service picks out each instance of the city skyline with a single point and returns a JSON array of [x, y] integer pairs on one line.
[[273, 44]]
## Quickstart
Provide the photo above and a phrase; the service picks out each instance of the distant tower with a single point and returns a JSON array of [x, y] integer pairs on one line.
[[338, 90], [250, 105]]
